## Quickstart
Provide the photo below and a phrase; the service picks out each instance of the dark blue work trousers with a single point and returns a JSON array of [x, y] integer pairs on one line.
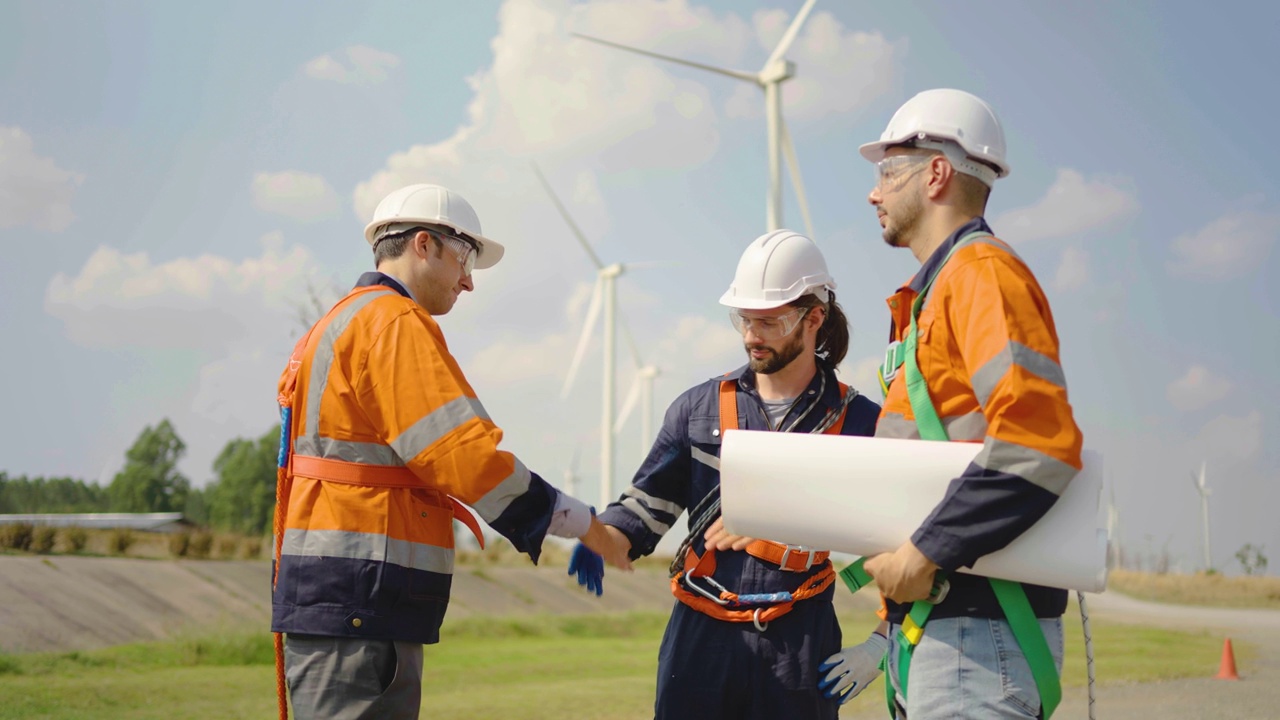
[[711, 669]]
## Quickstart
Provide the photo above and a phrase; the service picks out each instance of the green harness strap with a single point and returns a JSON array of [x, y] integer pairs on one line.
[[1012, 598]]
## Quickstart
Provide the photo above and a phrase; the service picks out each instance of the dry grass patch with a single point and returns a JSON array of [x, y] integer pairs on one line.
[[1199, 589]]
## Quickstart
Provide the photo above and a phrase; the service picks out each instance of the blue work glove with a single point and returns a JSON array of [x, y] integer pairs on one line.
[[853, 668], [589, 567]]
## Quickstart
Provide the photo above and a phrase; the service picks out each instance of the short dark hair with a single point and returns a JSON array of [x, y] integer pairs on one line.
[[973, 192], [390, 247]]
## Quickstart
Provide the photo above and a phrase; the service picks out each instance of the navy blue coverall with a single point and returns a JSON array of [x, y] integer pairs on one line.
[[711, 669]]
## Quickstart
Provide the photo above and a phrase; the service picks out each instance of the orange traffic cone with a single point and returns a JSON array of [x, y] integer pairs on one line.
[[1227, 670]]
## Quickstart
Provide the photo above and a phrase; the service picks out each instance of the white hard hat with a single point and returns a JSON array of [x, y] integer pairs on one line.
[[421, 204], [948, 115], [777, 268]]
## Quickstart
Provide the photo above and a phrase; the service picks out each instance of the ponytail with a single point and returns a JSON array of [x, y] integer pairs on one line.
[[833, 335]]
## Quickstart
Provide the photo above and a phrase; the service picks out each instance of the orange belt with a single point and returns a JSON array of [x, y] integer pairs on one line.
[[388, 476]]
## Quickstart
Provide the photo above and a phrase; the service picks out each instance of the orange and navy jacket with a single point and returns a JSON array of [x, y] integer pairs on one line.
[[377, 387], [988, 351], [682, 468]]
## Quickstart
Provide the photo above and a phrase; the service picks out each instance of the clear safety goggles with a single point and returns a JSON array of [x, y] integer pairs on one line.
[[893, 170], [465, 251], [768, 328]]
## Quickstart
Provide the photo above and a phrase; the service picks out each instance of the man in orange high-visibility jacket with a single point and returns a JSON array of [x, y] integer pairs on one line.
[[987, 350], [382, 436]]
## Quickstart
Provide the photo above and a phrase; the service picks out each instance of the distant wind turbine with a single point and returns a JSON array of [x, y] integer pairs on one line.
[[1204, 513], [776, 70], [605, 291]]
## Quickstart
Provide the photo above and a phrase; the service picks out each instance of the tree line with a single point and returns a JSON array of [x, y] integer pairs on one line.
[[240, 498]]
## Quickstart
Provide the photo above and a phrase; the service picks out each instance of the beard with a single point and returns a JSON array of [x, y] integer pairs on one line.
[[777, 359], [901, 224]]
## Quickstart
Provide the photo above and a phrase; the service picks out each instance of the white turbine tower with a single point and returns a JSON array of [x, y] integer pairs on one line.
[[1204, 514], [605, 290], [776, 70]]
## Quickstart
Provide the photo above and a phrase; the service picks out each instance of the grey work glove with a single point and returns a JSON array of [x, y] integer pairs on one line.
[[853, 668]]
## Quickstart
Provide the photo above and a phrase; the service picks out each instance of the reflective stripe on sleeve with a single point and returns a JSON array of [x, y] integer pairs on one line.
[[1015, 353], [436, 424], [1032, 465], [504, 493]]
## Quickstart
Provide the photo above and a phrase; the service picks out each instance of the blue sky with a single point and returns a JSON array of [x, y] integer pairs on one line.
[[173, 177]]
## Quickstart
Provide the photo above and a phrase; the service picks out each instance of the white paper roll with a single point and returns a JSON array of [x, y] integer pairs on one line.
[[864, 496]]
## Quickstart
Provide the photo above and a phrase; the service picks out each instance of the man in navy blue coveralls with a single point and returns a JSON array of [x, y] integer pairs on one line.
[[795, 335]]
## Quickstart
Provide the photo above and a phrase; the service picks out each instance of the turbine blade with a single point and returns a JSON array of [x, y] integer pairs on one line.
[[568, 219], [793, 164], [633, 399], [739, 74], [790, 35], [588, 325]]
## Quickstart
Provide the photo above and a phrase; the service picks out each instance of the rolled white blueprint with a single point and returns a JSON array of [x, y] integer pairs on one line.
[[863, 496]]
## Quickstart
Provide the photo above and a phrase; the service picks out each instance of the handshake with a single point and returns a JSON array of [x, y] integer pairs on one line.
[[601, 543]]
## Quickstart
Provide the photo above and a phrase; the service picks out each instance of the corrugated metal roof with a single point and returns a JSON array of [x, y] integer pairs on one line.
[[132, 521]]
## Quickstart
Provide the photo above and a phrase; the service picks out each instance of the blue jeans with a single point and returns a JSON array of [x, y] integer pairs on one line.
[[970, 668]]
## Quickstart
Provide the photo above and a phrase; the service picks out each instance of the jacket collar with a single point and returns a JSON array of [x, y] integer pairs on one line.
[[934, 263], [746, 379], [378, 278]]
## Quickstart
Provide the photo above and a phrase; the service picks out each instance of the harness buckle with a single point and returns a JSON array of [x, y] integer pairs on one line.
[[809, 555]]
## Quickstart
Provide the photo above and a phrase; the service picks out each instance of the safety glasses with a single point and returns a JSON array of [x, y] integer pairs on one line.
[[768, 328], [893, 170], [465, 250]]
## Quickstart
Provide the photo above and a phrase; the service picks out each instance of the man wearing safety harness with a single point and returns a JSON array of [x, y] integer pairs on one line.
[[753, 618], [974, 358], [382, 439]]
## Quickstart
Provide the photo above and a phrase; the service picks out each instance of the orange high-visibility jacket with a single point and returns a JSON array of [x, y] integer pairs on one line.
[[384, 431], [988, 351]]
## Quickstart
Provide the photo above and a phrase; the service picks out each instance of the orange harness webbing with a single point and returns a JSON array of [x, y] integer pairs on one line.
[[786, 557]]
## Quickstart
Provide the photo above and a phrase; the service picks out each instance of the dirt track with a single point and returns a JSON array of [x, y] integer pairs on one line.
[[74, 603]]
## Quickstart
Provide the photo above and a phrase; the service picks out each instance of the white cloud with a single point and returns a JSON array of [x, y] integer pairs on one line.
[[209, 303], [34, 191], [861, 376], [838, 71], [1196, 389], [294, 194], [1229, 246], [1071, 206], [362, 65], [1230, 438], [1073, 269]]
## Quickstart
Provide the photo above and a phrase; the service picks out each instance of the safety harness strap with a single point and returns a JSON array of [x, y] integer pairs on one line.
[[723, 604]]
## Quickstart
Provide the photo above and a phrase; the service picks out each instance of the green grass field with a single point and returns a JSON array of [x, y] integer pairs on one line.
[[590, 667]]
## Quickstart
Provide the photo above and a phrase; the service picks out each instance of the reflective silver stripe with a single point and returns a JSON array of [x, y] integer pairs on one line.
[[322, 360], [665, 506], [1036, 467], [356, 452], [496, 500], [649, 521], [436, 424], [970, 426], [706, 458], [368, 546], [1015, 353], [896, 425]]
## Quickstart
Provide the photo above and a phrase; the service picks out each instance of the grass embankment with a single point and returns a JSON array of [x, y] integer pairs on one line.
[[1199, 589], [587, 667]]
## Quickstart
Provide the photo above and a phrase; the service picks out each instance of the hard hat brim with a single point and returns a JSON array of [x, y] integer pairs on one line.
[[491, 251]]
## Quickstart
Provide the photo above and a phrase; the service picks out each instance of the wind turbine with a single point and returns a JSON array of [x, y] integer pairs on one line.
[[1204, 514], [776, 70], [605, 291], [641, 393]]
